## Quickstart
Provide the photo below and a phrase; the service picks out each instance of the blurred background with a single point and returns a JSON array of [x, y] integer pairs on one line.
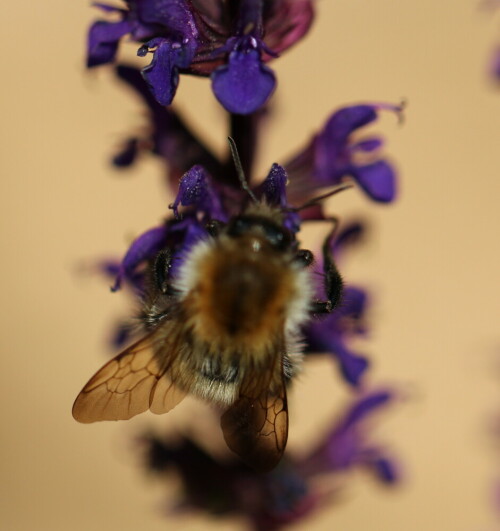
[[432, 262]]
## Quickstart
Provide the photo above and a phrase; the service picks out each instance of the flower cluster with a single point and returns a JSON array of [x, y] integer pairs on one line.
[[233, 42], [228, 41], [289, 493], [331, 156]]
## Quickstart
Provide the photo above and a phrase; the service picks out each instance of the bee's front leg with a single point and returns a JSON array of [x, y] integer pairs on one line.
[[161, 271], [214, 227], [333, 280]]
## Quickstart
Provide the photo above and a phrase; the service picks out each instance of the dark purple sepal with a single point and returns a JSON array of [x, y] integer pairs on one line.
[[378, 180], [103, 41], [195, 189], [244, 84], [143, 248], [288, 22]]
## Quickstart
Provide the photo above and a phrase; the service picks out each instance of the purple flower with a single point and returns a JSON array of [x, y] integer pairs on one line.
[[333, 155], [197, 190], [495, 64], [287, 494], [331, 333], [347, 444], [230, 41]]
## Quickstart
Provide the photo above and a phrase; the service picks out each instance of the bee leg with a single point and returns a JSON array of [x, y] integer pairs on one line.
[[161, 270], [214, 227], [303, 258], [333, 280]]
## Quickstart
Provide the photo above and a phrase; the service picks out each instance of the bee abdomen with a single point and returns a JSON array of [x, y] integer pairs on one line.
[[215, 370]]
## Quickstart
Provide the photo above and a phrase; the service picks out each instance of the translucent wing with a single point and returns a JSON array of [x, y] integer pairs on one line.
[[256, 426], [136, 380]]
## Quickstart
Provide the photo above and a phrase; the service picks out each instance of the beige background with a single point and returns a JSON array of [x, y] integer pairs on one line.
[[433, 261]]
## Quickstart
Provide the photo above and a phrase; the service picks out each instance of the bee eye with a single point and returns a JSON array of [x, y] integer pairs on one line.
[[239, 226], [277, 236]]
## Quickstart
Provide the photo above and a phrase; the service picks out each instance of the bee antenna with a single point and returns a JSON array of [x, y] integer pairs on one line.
[[315, 200], [239, 169]]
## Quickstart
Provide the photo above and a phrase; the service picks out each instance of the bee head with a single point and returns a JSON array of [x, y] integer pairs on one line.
[[277, 236]]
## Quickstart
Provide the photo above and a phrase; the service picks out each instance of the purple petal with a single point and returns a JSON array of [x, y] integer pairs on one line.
[[172, 14], [354, 303], [495, 64], [196, 190], [103, 41], [364, 407], [121, 334], [352, 366], [273, 188], [378, 180], [385, 469], [108, 9], [112, 268], [345, 121], [143, 248], [162, 75], [244, 84], [368, 145]]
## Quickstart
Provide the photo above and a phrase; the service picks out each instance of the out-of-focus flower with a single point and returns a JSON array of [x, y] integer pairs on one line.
[[348, 445], [334, 154], [495, 64], [287, 494], [331, 334], [230, 41]]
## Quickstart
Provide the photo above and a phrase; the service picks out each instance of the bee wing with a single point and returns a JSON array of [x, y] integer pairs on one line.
[[132, 382], [256, 426]]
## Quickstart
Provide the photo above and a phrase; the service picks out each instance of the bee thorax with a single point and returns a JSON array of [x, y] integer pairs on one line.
[[239, 293]]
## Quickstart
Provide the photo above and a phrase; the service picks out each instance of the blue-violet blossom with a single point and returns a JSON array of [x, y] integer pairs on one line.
[[287, 494], [230, 41]]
